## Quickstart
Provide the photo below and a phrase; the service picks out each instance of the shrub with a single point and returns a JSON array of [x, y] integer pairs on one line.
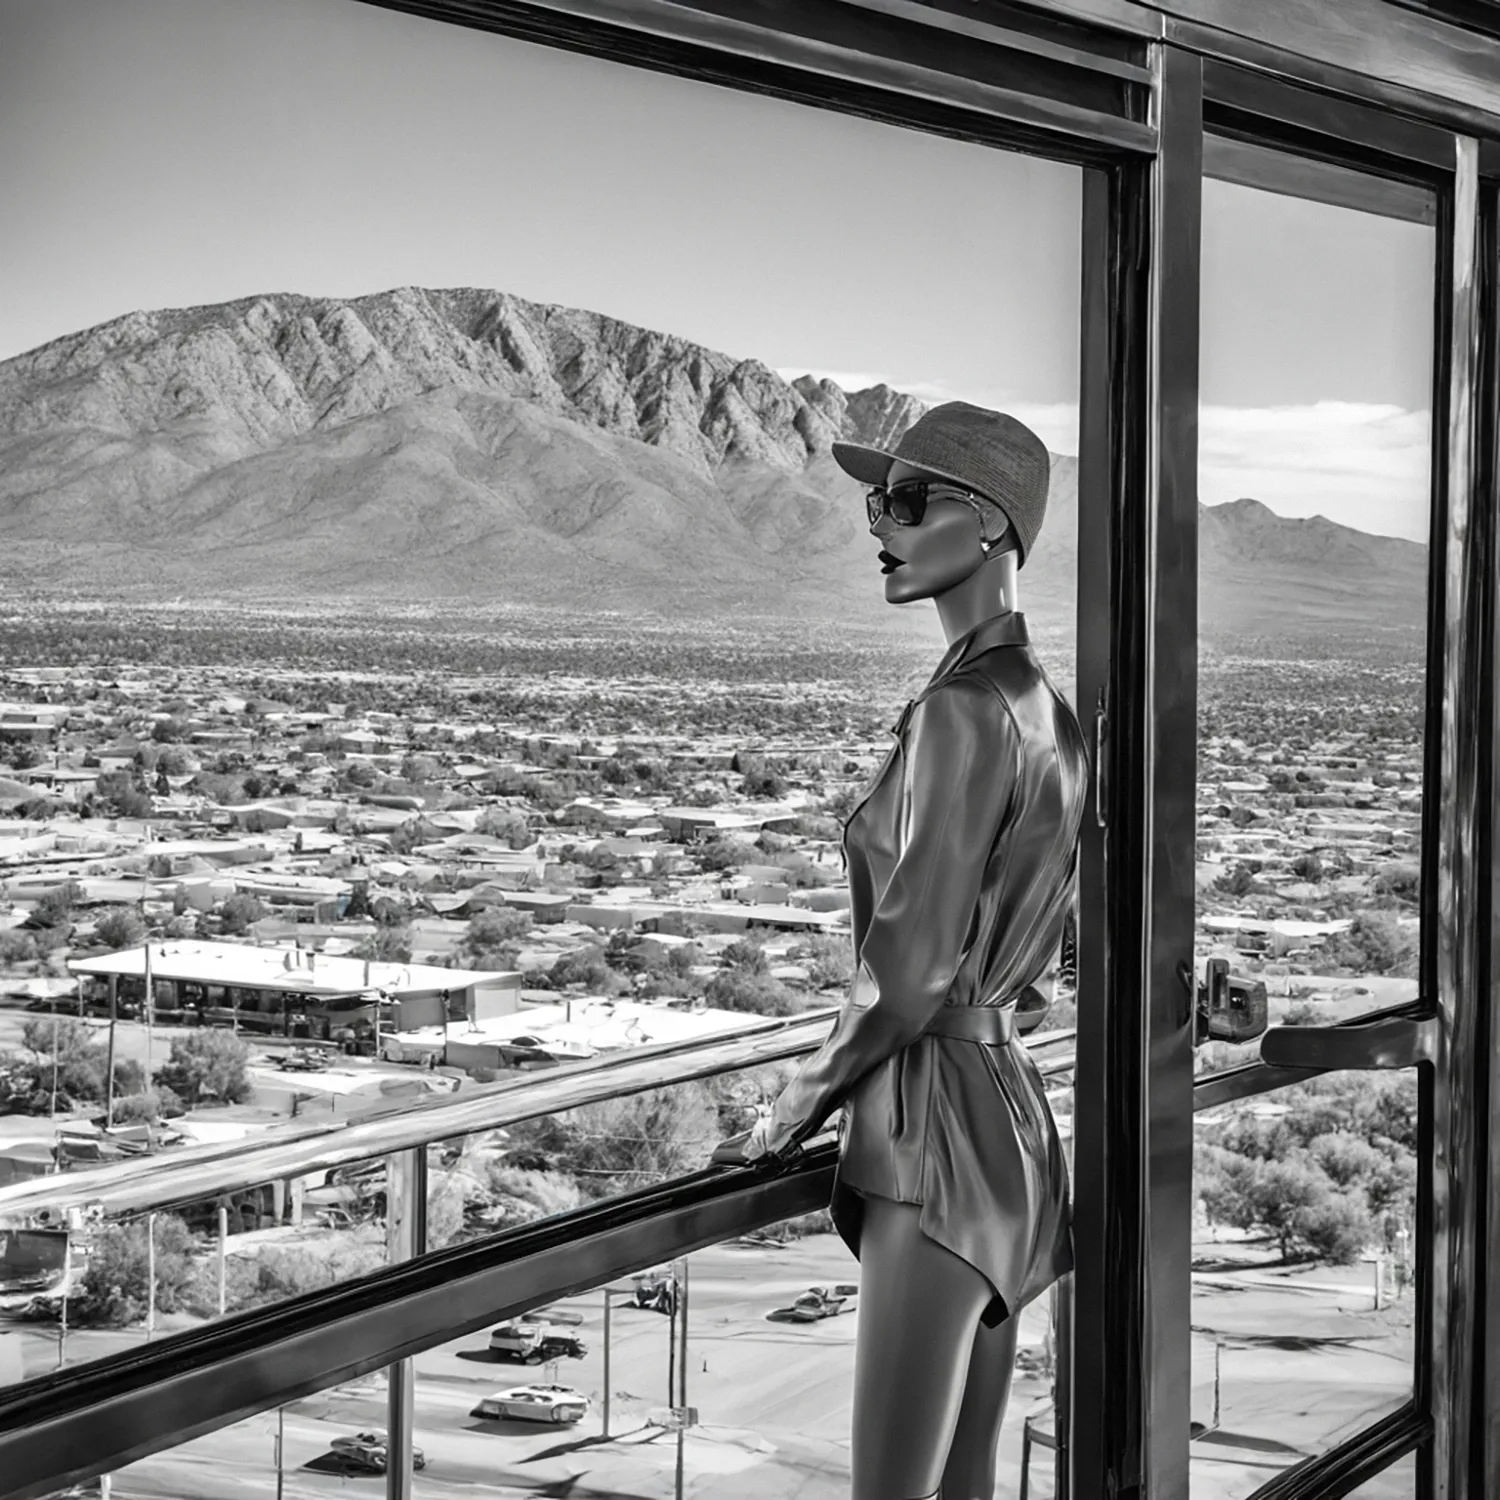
[[829, 960], [620, 1143], [720, 854], [209, 1064], [746, 956], [120, 927], [55, 909], [736, 989], [17, 948], [115, 1286], [239, 911], [391, 945], [505, 823]]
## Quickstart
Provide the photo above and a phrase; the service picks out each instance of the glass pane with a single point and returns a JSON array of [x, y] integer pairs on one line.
[[577, 783], [1314, 475], [1304, 1262], [1399, 1482], [767, 1382]]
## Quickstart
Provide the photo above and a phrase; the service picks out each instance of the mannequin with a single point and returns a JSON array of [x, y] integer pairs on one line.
[[951, 1186]]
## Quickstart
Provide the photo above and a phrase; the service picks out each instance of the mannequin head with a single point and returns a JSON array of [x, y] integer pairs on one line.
[[989, 475]]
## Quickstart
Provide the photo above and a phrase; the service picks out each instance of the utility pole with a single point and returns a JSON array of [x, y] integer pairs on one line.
[[280, 1438], [607, 1301], [682, 1406]]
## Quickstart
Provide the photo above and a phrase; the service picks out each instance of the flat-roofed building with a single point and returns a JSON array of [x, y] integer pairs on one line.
[[287, 990]]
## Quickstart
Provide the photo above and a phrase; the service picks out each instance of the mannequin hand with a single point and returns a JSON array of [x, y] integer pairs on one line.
[[742, 1149]]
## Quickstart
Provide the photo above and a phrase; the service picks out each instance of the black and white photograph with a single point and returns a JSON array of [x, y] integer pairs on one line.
[[746, 749]]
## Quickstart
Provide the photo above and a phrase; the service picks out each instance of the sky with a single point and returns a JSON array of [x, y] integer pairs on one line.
[[168, 153]]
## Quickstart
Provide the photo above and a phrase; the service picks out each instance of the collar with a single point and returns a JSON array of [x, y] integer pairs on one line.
[[999, 630]]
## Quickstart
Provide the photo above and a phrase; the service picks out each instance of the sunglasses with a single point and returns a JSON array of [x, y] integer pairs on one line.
[[906, 503]]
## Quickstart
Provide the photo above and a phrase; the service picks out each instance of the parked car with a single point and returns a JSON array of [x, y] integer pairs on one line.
[[305, 1059], [656, 1289], [560, 1405], [367, 1451], [820, 1302], [535, 1343]]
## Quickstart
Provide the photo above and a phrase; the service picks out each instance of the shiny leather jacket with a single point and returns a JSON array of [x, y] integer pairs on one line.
[[961, 863]]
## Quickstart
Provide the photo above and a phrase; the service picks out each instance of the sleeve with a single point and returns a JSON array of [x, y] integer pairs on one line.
[[962, 765]]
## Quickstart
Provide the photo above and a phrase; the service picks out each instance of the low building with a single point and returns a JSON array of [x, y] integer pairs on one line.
[[288, 990]]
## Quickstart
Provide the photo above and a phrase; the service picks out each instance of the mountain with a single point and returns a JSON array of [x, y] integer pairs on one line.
[[421, 444]]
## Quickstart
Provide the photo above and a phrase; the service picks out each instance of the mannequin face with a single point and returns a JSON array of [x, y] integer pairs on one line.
[[938, 554]]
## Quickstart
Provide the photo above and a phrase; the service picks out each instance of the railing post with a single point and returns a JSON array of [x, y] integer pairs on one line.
[[223, 1257], [405, 1238]]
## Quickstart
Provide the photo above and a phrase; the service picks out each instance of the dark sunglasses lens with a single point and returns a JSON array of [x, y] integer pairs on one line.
[[874, 505], [908, 504]]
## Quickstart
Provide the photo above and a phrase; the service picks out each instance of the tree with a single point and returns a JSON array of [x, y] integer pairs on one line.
[[208, 1065], [55, 909], [588, 968], [117, 790], [829, 960], [489, 941], [1235, 882], [720, 854], [739, 989], [419, 768], [80, 1055], [387, 945], [1308, 867], [747, 957], [620, 1143], [115, 1285], [1376, 943], [239, 911], [120, 927], [506, 823]]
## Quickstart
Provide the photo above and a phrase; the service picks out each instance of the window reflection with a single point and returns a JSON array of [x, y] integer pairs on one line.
[[1303, 1272], [1314, 471]]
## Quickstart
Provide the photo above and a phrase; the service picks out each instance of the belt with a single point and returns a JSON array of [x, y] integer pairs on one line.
[[995, 1024]]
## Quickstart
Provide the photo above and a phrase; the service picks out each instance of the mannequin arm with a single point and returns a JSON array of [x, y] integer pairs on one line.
[[962, 764]]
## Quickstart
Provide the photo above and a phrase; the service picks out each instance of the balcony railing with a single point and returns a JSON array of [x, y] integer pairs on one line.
[[79, 1422], [73, 1424]]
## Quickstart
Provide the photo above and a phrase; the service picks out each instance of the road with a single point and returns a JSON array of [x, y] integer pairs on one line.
[[1303, 1361], [773, 1402]]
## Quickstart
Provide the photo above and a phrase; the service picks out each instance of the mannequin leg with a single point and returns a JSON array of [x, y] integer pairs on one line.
[[970, 1471], [919, 1310]]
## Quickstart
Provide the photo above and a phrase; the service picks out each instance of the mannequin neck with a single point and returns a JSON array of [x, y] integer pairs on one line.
[[988, 591]]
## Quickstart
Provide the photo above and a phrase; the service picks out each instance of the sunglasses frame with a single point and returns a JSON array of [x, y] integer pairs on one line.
[[876, 509]]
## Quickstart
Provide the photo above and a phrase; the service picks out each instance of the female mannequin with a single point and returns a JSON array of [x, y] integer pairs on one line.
[[951, 1186]]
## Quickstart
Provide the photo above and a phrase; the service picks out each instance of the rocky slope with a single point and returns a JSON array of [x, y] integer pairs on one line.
[[441, 444]]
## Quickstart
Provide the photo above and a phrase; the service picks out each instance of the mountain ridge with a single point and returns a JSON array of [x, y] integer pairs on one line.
[[442, 443]]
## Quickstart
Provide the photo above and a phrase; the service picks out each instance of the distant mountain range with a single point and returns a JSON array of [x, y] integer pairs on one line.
[[439, 445]]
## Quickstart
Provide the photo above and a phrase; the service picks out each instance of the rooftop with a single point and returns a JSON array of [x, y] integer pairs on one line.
[[298, 971]]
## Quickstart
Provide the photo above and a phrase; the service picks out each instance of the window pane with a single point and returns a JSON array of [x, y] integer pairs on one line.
[[1314, 474], [1399, 1482], [1303, 1273]]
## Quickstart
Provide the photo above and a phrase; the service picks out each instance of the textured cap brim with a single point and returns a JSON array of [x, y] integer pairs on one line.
[[868, 465]]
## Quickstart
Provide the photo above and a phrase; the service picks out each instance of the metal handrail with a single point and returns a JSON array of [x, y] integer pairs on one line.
[[70, 1425], [196, 1173]]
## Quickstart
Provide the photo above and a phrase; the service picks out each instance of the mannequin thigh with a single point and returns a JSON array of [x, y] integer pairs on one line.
[[973, 1455], [919, 1312]]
